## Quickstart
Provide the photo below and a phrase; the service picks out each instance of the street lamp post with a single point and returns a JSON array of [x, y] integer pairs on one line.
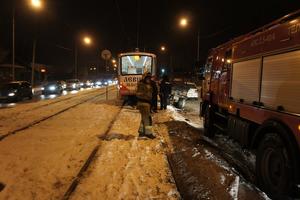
[[13, 42], [33, 62], [36, 4], [86, 41], [183, 22]]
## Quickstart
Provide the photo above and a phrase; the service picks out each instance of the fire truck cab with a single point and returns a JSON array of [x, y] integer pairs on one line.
[[251, 92]]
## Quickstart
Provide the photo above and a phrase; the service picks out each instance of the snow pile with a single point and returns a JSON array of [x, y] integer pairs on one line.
[[178, 117]]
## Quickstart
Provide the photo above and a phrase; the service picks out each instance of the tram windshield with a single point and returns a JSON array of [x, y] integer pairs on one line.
[[136, 64]]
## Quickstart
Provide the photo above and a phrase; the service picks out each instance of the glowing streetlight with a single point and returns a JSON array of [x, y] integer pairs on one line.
[[183, 22], [36, 4], [113, 61], [162, 48], [87, 40]]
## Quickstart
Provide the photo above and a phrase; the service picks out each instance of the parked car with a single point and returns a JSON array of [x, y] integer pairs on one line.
[[53, 87], [63, 84], [15, 91], [98, 83], [73, 84], [182, 92], [87, 84]]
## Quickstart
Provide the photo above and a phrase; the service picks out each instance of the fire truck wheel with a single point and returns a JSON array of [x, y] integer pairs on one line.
[[273, 166], [208, 122]]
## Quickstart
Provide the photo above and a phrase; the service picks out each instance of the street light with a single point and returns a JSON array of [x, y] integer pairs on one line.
[[162, 48], [113, 61], [36, 4], [87, 40], [183, 22]]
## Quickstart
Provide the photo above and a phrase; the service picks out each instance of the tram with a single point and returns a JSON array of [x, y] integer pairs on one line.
[[131, 67]]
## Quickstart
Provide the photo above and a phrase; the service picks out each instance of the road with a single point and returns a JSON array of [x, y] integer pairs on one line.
[[86, 147]]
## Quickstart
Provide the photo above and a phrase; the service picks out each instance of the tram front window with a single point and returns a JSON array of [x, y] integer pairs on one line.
[[135, 64]]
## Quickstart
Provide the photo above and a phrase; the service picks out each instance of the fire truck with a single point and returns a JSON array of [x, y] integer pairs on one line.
[[251, 92]]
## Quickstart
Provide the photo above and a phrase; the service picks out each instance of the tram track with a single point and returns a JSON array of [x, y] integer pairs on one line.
[[72, 187], [27, 126], [53, 102]]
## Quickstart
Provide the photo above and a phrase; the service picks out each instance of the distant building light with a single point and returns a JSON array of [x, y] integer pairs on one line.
[[43, 70]]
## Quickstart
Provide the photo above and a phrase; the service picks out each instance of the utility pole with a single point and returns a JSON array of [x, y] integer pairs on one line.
[[198, 45], [13, 43], [33, 62], [75, 61]]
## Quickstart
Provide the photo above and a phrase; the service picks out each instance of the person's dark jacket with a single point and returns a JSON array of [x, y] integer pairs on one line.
[[144, 92], [165, 88]]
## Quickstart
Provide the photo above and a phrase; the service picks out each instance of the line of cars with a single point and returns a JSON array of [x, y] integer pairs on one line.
[[18, 90]]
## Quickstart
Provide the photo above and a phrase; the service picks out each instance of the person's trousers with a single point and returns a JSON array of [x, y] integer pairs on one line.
[[146, 122], [163, 101], [154, 102]]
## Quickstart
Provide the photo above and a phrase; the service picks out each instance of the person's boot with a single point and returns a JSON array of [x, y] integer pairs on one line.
[[149, 132], [141, 131]]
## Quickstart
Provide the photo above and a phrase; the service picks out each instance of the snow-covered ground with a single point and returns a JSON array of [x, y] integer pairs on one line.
[[41, 162], [198, 165], [25, 114], [127, 167]]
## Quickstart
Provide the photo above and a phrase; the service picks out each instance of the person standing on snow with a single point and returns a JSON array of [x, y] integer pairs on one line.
[[144, 96], [165, 91]]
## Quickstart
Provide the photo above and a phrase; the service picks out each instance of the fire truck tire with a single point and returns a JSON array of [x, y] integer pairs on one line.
[[208, 122], [274, 167]]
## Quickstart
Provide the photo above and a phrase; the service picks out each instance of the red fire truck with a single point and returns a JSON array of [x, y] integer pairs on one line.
[[251, 92]]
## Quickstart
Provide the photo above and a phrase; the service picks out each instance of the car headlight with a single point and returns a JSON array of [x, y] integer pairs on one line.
[[52, 88], [74, 85], [11, 94], [42, 88]]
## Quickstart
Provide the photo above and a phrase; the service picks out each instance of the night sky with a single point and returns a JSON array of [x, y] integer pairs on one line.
[[113, 24]]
